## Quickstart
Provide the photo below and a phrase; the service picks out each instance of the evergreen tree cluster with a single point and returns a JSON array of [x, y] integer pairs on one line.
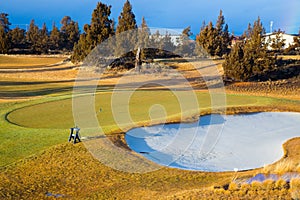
[[278, 42], [294, 48], [101, 28], [38, 40], [128, 37], [249, 58], [215, 40], [245, 60]]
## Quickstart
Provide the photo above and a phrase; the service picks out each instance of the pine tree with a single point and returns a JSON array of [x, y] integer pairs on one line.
[[143, 38], [278, 42], [126, 31], [187, 32], [32, 37], [17, 38], [215, 40], [69, 32], [43, 42], [233, 64], [81, 49], [249, 59], [255, 48], [295, 47], [3, 41], [226, 41], [4, 22], [100, 29], [101, 26], [126, 20], [155, 39], [166, 43], [4, 29], [55, 38], [185, 46]]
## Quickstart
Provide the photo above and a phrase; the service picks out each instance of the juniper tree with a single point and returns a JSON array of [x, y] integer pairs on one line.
[[155, 39], [206, 39], [278, 42], [295, 47], [215, 40], [126, 39], [3, 41], [69, 32], [55, 38], [143, 38], [4, 29], [233, 64], [17, 38], [4, 22], [256, 59], [43, 41], [126, 20], [249, 58], [81, 49], [166, 43], [100, 29], [32, 37], [185, 46]]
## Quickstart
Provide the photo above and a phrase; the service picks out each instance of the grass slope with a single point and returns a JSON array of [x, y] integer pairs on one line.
[[48, 120], [27, 62], [36, 160]]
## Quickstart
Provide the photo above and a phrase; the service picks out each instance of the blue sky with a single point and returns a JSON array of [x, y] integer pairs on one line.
[[162, 13]]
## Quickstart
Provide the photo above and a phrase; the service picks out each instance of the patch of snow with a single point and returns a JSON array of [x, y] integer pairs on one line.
[[217, 142]]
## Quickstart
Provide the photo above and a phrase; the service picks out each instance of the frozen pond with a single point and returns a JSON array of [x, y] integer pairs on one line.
[[217, 142]]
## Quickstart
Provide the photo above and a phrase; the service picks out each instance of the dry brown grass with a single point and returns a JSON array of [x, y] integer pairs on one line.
[[27, 62], [71, 171], [293, 57], [289, 89], [295, 189], [281, 167]]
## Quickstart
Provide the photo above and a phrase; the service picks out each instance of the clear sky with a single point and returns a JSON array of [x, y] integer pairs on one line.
[[162, 13]]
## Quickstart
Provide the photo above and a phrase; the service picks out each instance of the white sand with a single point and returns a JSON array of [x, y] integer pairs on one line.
[[229, 142]]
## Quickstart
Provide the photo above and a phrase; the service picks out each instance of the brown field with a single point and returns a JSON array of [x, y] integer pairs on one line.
[[61, 169]]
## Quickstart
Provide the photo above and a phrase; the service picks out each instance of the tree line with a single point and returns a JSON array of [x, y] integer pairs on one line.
[[68, 38], [38, 40], [246, 59], [101, 28]]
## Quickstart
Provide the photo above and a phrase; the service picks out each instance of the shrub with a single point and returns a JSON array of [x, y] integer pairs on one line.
[[245, 187], [233, 186], [219, 191], [281, 184], [269, 185]]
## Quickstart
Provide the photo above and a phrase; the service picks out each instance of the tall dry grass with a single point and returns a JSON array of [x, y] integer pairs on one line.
[[295, 189], [281, 167]]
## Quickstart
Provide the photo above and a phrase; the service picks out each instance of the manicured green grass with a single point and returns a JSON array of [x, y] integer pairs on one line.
[[47, 120], [58, 114], [26, 62], [19, 142]]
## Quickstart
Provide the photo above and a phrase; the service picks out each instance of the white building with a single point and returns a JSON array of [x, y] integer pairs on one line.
[[174, 34], [288, 39]]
